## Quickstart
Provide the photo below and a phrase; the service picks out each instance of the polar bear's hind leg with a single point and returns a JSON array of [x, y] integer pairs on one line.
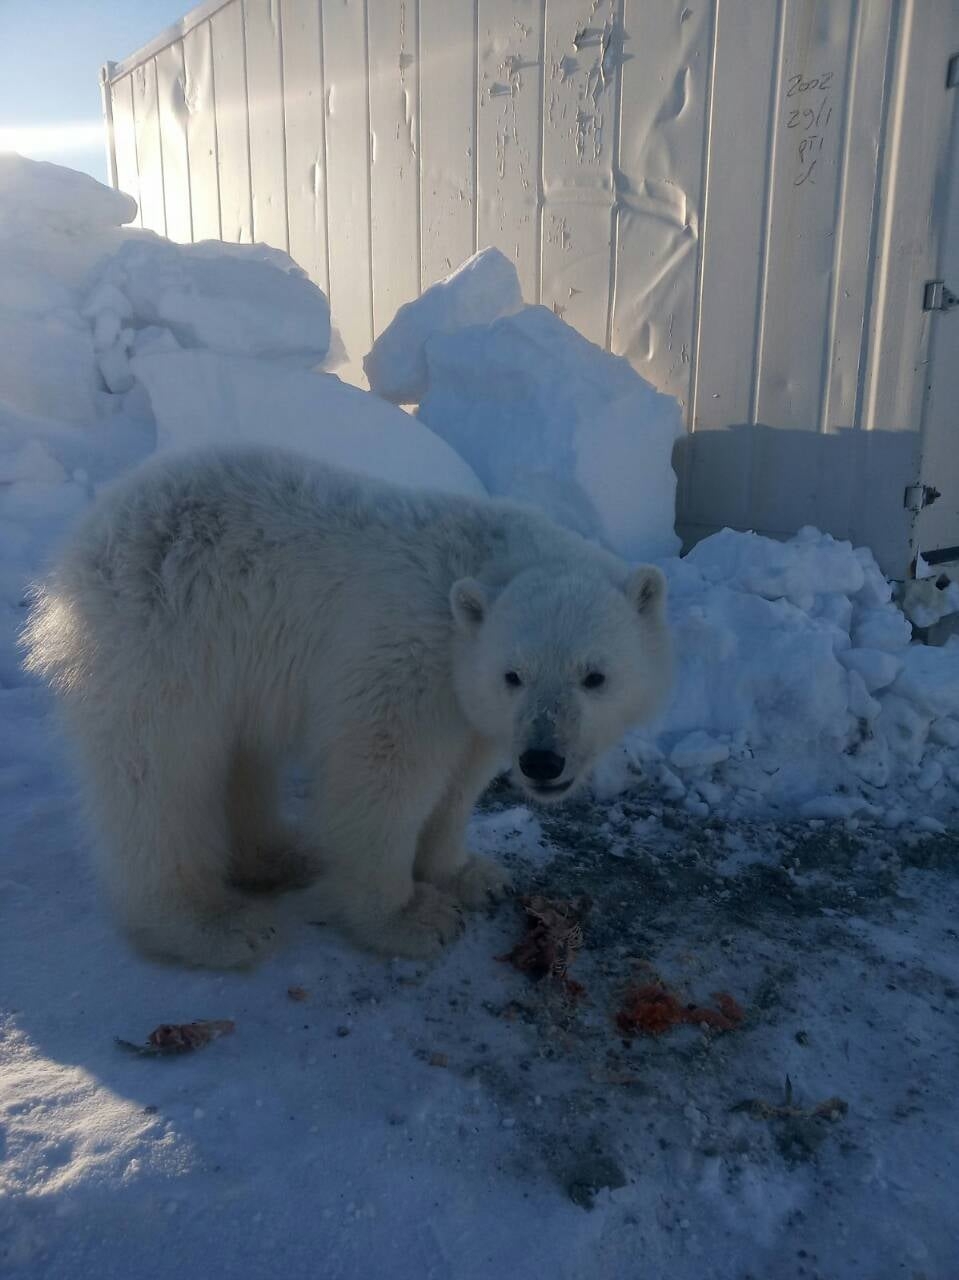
[[165, 849]]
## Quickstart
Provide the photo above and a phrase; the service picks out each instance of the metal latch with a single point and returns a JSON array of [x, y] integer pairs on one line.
[[939, 297], [918, 496], [952, 72]]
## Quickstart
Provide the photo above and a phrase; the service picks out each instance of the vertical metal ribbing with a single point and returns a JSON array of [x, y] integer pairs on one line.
[[246, 99], [106, 99], [326, 159], [216, 133], [286, 183], [369, 159], [615, 168], [703, 221], [541, 192], [852, 61], [775, 90], [186, 140]]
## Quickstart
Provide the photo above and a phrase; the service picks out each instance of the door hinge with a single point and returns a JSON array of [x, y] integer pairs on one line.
[[918, 496], [939, 297], [952, 72]]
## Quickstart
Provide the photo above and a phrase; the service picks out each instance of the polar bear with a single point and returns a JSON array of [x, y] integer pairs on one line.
[[220, 613]]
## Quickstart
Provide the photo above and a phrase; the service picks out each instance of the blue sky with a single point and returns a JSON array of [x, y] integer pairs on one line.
[[50, 57]]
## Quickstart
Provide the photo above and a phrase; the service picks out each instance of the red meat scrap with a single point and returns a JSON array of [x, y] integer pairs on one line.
[[654, 1008], [554, 934]]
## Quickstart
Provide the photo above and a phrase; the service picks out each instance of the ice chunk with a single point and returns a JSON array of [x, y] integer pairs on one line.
[[882, 628], [199, 398], [484, 288], [27, 288], [861, 704], [931, 826], [836, 609], [868, 759], [698, 750], [832, 807], [945, 731], [930, 677], [877, 669], [929, 775], [32, 462], [56, 227], [876, 588], [247, 300], [903, 727], [762, 666], [545, 417], [926, 602], [37, 195], [48, 368], [810, 565]]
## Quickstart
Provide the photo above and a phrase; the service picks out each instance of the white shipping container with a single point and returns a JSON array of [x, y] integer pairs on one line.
[[751, 200]]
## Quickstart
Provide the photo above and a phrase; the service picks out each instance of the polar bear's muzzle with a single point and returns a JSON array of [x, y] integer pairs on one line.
[[541, 770], [542, 766]]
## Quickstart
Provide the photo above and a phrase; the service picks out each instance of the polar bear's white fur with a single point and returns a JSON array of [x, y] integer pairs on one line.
[[221, 613]]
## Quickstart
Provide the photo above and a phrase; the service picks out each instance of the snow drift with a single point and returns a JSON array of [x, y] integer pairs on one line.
[[799, 687]]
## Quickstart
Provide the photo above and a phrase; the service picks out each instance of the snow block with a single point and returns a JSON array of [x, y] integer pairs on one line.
[[698, 751], [200, 398], [244, 300], [545, 417], [36, 196], [877, 669], [930, 677], [47, 366], [799, 570], [484, 288]]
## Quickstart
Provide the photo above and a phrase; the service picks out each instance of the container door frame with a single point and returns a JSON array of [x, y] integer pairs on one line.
[[937, 526]]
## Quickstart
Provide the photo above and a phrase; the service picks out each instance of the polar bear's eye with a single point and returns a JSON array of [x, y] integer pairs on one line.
[[593, 680], [512, 679]]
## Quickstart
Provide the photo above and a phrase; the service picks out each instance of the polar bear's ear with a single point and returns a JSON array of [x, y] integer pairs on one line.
[[468, 602], [646, 589]]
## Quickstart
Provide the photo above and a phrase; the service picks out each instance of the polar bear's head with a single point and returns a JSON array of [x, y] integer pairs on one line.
[[558, 665]]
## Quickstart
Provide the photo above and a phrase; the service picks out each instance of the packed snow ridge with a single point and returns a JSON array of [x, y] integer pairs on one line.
[[799, 686]]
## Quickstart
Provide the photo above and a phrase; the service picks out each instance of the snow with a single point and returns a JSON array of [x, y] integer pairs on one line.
[[544, 416], [930, 678], [927, 601], [786, 831], [37, 196], [201, 398], [484, 288], [797, 673], [794, 659], [876, 668], [249, 300], [698, 751], [809, 565], [28, 347]]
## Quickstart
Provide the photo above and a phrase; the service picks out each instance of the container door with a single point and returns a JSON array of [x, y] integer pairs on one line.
[[937, 526]]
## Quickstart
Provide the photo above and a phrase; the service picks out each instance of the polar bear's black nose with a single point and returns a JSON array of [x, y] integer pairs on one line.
[[541, 766]]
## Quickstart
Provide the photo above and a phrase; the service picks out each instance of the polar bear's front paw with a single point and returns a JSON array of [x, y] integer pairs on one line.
[[236, 939], [479, 881], [243, 941], [428, 922]]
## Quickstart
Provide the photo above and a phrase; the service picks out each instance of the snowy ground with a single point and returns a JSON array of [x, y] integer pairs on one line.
[[787, 835], [466, 1121]]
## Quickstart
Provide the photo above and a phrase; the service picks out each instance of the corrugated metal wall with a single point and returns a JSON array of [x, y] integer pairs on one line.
[[742, 196]]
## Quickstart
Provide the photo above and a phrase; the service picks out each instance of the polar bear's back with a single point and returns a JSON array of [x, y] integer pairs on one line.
[[198, 569], [194, 523]]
